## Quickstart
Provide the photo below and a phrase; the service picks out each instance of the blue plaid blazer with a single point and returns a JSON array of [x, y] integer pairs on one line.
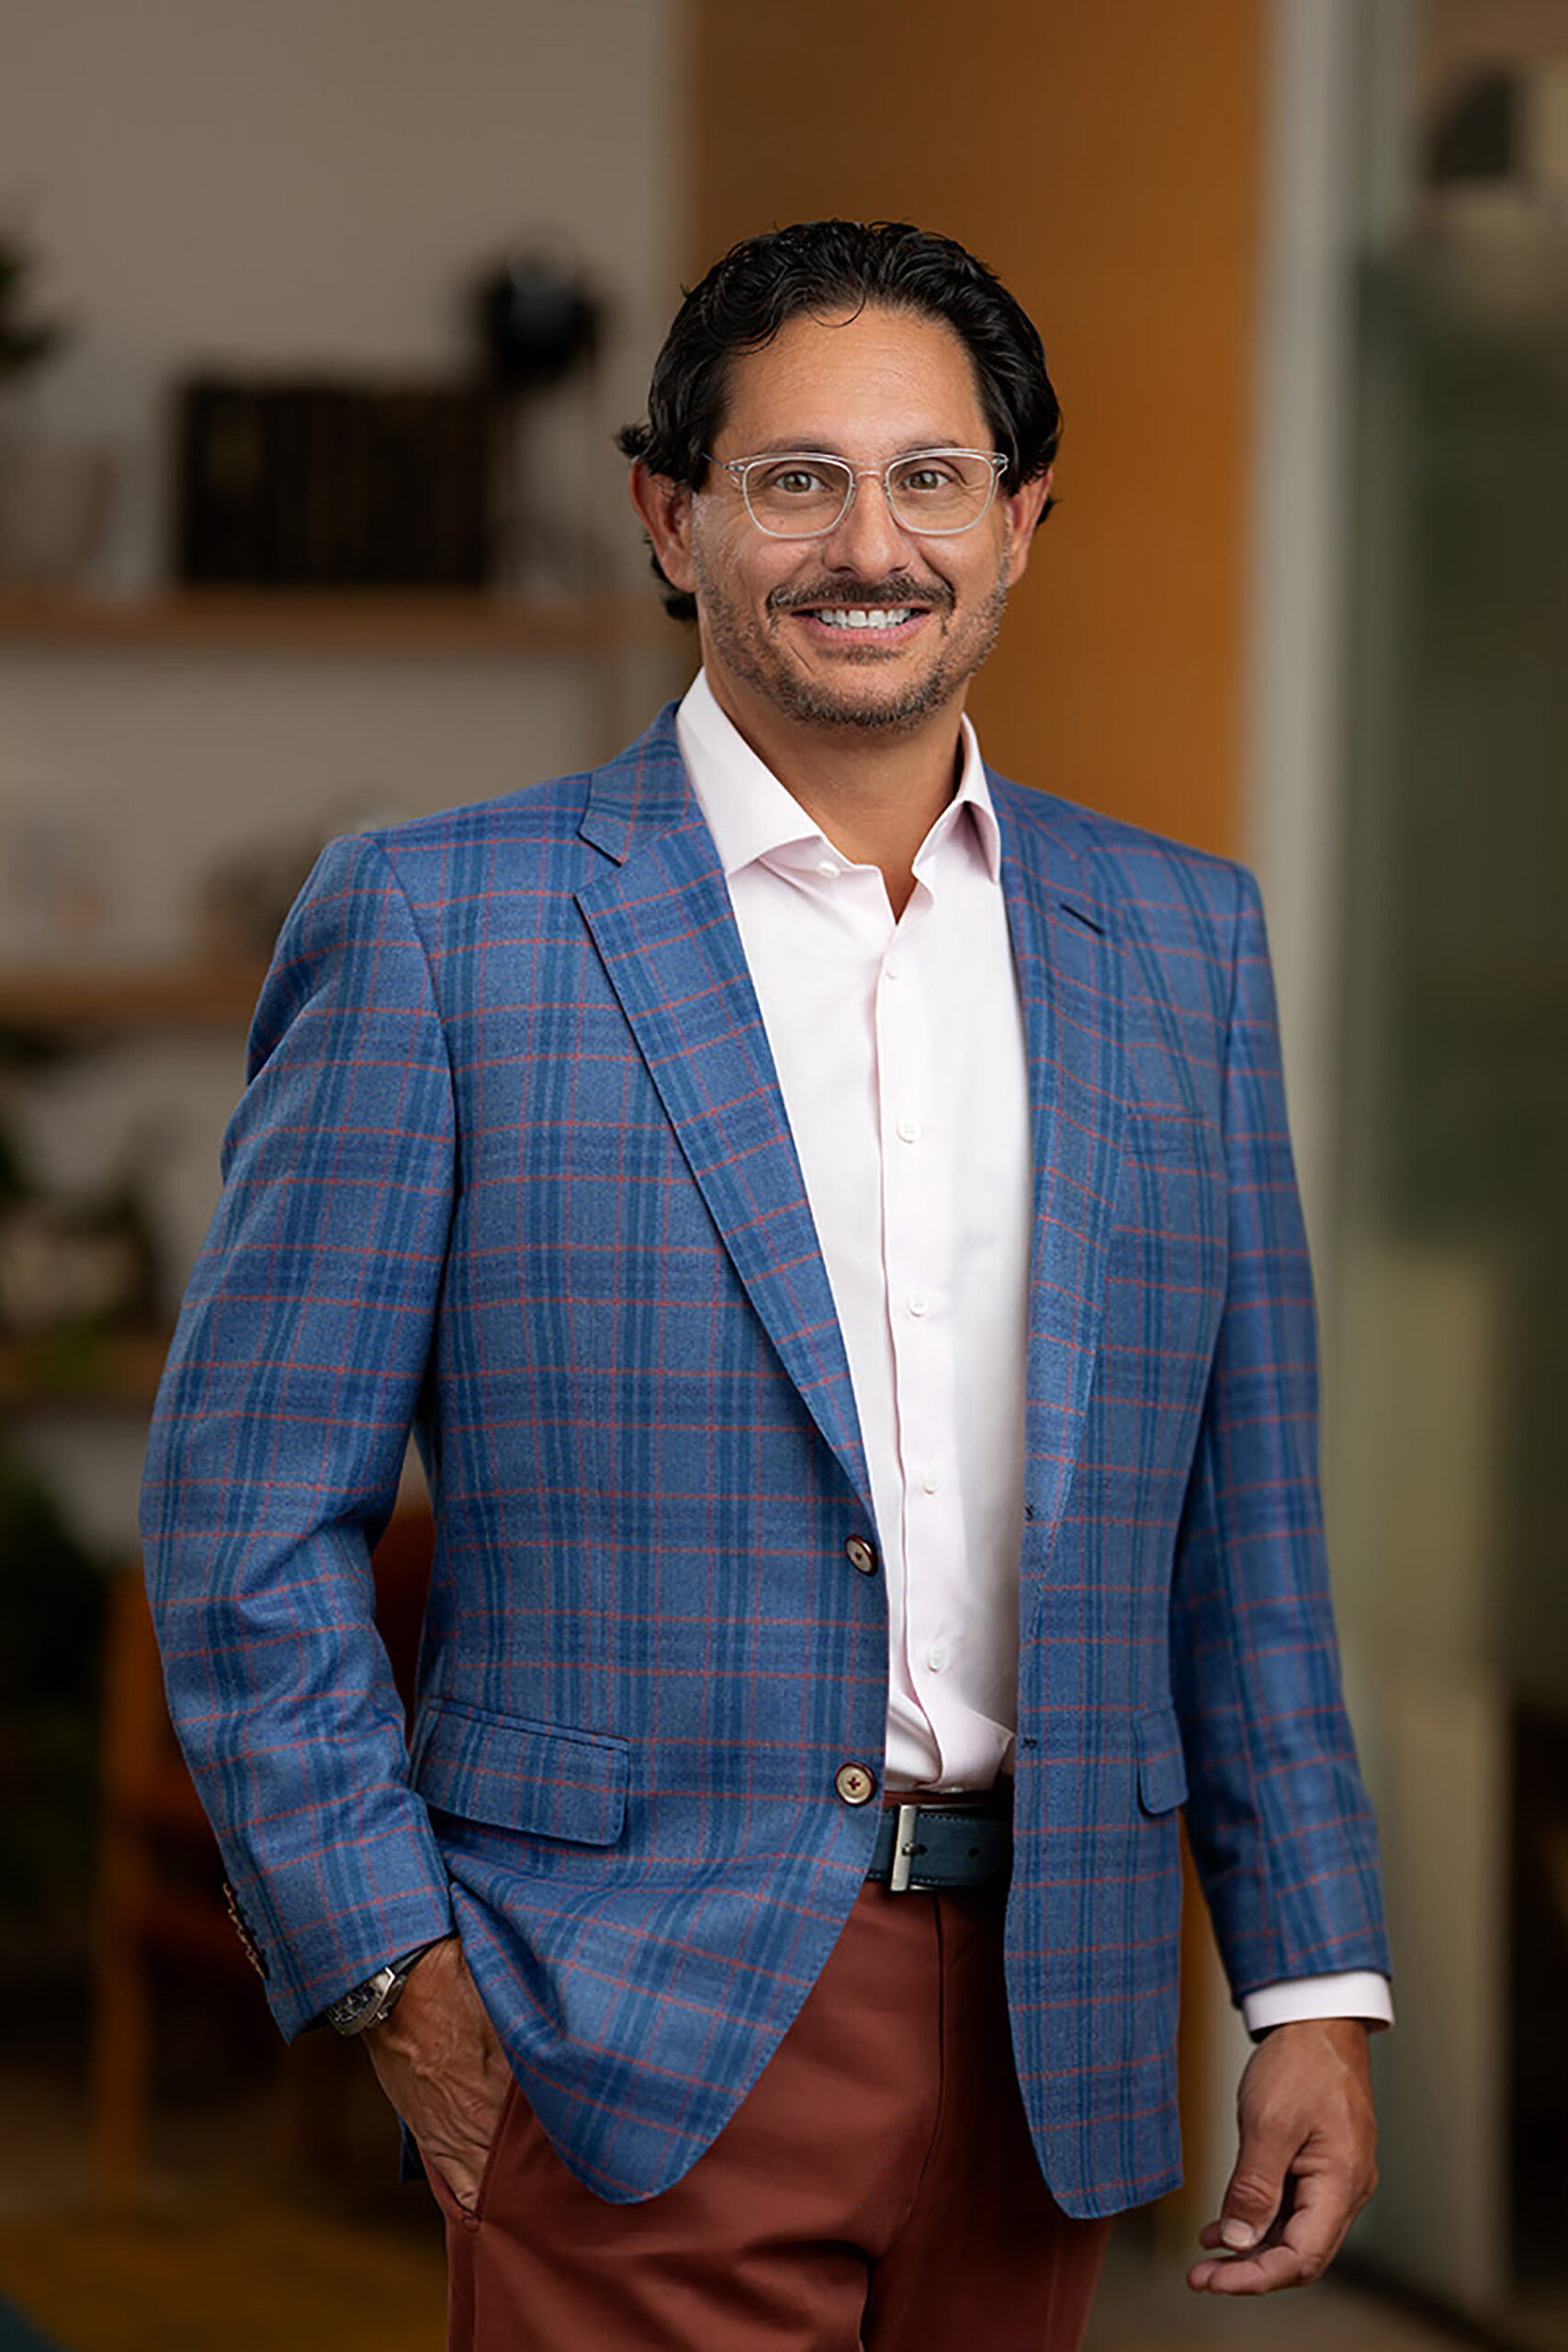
[[513, 1169]]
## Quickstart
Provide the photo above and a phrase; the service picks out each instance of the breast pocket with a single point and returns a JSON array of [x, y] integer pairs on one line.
[[1162, 1768]]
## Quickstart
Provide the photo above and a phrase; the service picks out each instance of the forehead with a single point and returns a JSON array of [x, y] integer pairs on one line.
[[871, 380]]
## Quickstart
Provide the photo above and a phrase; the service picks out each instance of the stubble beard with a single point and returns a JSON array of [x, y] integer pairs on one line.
[[750, 651]]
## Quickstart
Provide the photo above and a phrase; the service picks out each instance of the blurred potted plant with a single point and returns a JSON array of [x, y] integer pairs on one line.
[[53, 498]]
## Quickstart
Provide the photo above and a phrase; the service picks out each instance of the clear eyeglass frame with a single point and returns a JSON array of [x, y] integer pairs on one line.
[[742, 468]]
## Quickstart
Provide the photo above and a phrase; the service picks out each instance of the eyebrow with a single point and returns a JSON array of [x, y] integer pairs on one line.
[[818, 448]]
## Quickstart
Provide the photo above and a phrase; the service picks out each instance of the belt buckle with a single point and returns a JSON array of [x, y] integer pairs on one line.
[[905, 1823]]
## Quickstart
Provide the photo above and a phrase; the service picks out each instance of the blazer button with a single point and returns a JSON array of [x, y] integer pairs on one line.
[[856, 1783], [861, 1555]]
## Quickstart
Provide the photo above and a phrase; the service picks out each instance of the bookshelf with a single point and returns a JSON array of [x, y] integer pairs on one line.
[[332, 621], [96, 1008], [108, 1371], [124, 1000], [112, 1372]]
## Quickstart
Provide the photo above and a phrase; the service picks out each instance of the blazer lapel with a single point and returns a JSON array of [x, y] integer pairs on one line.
[[1070, 977], [661, 920]]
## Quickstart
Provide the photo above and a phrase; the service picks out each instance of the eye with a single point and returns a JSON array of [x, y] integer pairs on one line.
[[794, 478], [924, 475]]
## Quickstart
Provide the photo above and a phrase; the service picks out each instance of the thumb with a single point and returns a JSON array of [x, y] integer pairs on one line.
[[1254, 2190]]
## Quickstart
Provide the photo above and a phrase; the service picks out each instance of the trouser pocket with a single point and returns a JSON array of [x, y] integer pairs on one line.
[[468, 2217]]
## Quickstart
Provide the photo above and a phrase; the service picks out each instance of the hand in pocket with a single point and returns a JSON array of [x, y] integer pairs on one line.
[[438, 2061]]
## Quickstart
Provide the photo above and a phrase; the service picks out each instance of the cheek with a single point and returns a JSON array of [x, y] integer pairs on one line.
[[717, 571], [739, 588]]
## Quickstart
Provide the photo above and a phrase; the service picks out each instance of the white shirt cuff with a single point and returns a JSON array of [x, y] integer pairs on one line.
[[1357, 1993]]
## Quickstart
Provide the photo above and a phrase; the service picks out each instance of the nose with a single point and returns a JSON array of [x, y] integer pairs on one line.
[[866, 539]]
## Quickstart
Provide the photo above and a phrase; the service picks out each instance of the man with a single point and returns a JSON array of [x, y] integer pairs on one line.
[[827, 1217]]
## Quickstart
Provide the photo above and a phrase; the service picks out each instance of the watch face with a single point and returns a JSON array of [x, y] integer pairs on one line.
[[360, 2002]]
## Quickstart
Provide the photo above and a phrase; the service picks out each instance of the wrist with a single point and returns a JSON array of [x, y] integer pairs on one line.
[[1356, 2028], [369, 2004]]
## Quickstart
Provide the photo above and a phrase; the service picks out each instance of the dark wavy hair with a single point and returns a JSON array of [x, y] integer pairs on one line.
[[823, 267]]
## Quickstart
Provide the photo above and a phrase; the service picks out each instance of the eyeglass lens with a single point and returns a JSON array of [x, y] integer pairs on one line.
[[933, 491]]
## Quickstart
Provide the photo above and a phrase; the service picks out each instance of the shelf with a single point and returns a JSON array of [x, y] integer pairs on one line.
[[287, 620], [148, 997], [110, 1371]]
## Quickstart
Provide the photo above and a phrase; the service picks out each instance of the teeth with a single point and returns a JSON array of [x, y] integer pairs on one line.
[[863, 616]]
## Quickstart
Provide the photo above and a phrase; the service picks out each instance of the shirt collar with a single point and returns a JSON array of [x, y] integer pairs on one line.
[[751, 817]]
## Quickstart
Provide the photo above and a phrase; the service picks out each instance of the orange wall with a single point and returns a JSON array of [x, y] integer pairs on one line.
[[1102, 156]]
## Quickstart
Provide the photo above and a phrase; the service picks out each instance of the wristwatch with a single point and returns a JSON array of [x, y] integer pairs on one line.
[[365, 2005]]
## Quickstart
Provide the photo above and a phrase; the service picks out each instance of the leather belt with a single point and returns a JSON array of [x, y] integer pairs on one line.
[[945, 1843]]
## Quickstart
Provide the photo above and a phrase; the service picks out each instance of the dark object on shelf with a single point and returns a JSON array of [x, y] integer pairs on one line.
[[537, 321], [1478, 136], [334, 485], [25, 341]]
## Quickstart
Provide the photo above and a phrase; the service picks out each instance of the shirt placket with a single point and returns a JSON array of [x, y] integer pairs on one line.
[[917, 1225]]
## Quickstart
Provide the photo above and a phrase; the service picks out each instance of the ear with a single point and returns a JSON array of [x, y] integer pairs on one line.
[[1024, 509], [665, 507]]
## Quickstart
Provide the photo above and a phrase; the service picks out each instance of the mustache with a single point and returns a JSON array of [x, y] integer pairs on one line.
[[899, 588]]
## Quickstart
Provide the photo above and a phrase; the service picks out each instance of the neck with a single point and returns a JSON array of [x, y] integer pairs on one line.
[[875, 796]]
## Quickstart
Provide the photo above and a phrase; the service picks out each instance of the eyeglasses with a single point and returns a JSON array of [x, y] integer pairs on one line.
[[932, 492]]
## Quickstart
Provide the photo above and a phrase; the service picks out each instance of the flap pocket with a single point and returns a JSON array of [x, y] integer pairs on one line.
[[1161, 1135], [512, 1774], [1162, 1769]]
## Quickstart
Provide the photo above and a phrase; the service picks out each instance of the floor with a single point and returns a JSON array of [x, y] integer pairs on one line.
[[216, 2260]]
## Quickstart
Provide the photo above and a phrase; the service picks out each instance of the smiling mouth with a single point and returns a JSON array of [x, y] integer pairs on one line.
[[864, 617], [886, 612]]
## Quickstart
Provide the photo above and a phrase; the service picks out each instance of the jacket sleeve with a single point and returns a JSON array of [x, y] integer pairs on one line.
[[279, 1435], [1278, 1822]]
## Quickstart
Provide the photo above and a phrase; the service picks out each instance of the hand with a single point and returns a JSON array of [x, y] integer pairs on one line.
[[438, 2061], [1306, 2164]]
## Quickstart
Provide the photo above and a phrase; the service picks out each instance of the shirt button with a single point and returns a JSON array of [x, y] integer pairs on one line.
[[918, 1302], [828, 870], [891, 971], [856, 1783], [909, 1129], [931, 1481], [860, 1555], [938, 1657]]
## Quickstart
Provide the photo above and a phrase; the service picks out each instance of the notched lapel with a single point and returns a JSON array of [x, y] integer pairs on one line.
[[1070, 984], [663, 926]]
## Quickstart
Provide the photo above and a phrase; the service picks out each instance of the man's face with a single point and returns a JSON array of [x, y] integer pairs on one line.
[[868, 388]]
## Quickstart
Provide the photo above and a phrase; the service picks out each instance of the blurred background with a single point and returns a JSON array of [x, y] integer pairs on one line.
[[315, 325]]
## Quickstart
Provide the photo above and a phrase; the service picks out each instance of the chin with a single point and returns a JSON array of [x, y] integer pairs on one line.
[[824, 702]]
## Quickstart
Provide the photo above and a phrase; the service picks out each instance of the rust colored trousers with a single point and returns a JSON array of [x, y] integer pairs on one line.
[[876, 2191]]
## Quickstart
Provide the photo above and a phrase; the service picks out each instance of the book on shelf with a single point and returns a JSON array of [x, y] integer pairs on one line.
[[319, 483]]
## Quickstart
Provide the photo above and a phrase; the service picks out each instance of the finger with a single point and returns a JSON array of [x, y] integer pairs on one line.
[[1323, 2210], [1299, 2252], [453, 2181], [462, 2181], [1250, 2207], [1256, 2188], [1247, 2274]]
